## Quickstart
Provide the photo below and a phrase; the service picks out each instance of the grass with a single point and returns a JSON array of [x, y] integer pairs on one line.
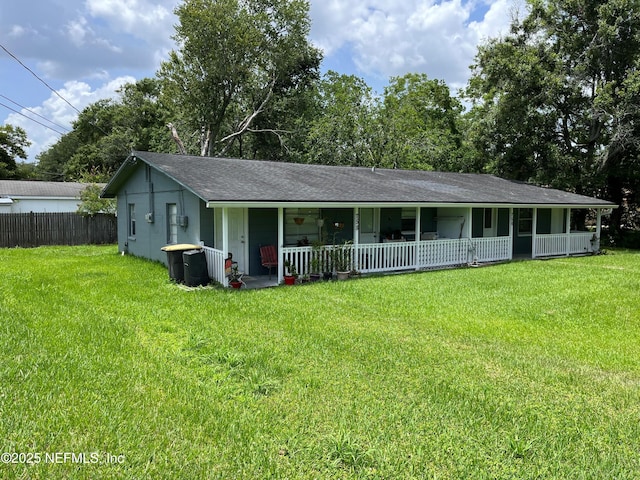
[[521, 370]]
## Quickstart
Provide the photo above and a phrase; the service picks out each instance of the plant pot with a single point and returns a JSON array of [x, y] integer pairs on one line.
[[235, 284], [342, 275], [328, 275], [289, 280], [314, 277]]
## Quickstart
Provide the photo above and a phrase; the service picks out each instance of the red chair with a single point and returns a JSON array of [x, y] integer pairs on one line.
[[269, 257]]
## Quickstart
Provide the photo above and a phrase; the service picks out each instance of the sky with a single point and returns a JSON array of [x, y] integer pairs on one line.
[[84, 50]]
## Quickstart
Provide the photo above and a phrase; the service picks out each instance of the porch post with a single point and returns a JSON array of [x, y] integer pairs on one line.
[[568, 232], [596, 245], [280, 244], [225, 239], [356, 238], [418, 230], [511, 233], [534, 232]]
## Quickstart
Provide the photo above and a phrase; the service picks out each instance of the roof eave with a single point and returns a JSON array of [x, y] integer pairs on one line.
[[325, 204]]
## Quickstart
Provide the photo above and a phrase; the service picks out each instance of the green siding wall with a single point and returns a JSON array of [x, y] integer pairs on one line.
[[428, 222], [150, 191], [503, 222], [263, 230], [544, 221]]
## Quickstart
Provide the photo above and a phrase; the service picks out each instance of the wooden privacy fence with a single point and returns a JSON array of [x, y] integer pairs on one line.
[[37, 229]]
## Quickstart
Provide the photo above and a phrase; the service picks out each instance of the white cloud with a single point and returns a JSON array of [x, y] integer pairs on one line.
[[79, 94], [88, 42], [149, 20], [422, 36], [77, 31]]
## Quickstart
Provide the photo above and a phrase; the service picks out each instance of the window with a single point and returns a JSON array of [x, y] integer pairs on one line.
[[488, 217], [525, 221], [172, 223], [132, 220]]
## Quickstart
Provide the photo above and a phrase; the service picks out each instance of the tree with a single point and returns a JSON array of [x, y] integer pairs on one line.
[[106, 131], [342, 130], [236, 58], [92, 204], [13, 142], [556, 100], [420, 125]]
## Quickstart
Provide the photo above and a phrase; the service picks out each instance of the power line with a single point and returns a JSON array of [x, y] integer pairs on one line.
[[36, 75], [35, 113], [32, 119], [92, 122]]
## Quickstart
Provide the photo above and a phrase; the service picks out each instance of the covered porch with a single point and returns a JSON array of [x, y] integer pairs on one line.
[[378, 239]]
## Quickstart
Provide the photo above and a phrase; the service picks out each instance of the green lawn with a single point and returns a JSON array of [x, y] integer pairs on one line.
[[521, 370]]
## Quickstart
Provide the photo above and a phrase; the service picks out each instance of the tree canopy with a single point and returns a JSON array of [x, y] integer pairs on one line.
[[236, 60], [557, 99], [105, 132], [13, 142], [556, 102]]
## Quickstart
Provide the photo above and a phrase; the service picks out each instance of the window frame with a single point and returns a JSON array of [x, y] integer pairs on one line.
[[172, 223], [523, 221], [131, 218]]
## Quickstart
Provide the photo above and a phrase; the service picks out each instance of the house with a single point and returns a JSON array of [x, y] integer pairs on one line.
[[393, 219], [21, 196]]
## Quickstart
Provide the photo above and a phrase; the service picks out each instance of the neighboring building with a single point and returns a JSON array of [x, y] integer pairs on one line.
[[21, 196], [396, 219]]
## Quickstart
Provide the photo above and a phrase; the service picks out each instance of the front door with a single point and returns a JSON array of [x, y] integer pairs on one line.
[[237, 236], [369, 225]]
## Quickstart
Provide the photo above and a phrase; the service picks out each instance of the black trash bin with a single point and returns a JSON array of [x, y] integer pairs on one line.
[[195, 268], [175, 260]]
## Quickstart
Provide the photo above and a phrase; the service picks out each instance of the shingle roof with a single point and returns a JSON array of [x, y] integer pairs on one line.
[[24, 188], [233, 180]]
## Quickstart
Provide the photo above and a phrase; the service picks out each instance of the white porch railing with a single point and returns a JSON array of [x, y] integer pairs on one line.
[[385, 257], [395, 256], [563, 244], [215, 264], [442, 253], [493, 249]]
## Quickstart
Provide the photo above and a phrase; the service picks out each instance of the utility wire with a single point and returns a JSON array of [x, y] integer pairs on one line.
[[93, 122], [36, 75], [32, 119], [35, 113]]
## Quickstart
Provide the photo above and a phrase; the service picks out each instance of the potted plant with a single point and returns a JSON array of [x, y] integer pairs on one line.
[[291, 275], [235, 279], [342, 260]]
